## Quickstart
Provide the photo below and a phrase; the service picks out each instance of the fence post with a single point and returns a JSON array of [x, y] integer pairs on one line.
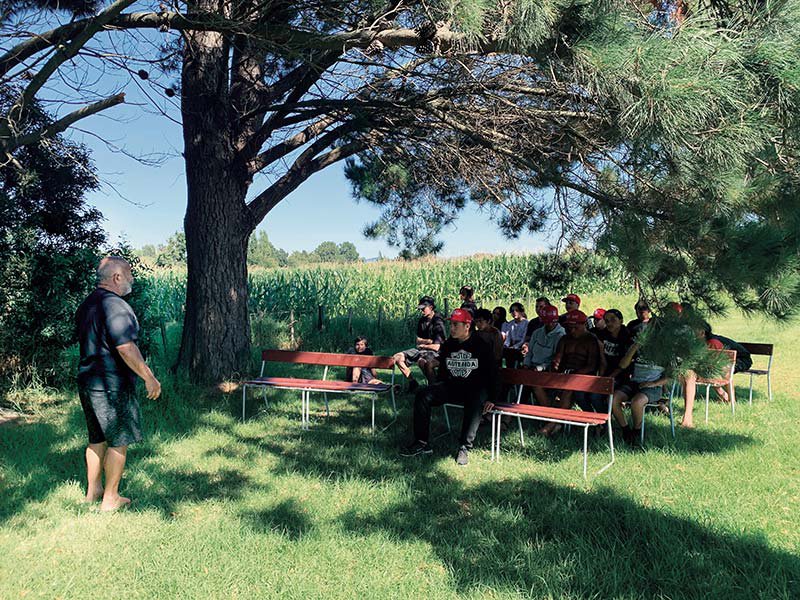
[[350, 321], [446, 308], [291, 327], [405, 318], [321, 317], [380, 318]]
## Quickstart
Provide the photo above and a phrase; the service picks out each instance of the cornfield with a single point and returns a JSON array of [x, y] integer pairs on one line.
[[392, 288]]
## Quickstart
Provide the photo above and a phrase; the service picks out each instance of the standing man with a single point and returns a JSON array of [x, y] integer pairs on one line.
[[466, 377], [109, 364]]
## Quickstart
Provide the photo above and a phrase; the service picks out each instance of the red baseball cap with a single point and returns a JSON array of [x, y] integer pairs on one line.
[[573, 297], [461, 316], [575, 317], [549, 314], [599, 313], [676, 306]]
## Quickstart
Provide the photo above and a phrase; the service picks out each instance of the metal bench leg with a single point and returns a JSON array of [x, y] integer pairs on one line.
[[732, 398], [521, 435], [373, 413], [497, 438], [244, 399], [493, 433], [751, 390], [769, 385], [264, 396], [644, 418], [708, 390], [585, 448], [327, 409]]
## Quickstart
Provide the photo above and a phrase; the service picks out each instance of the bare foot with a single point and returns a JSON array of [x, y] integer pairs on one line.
[[114, 504], [686, 425], [92, 497]]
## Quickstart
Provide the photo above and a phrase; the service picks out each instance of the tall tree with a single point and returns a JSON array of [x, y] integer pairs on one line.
[[674, 148]]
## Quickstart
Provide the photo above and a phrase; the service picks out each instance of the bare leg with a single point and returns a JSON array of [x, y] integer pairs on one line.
[[722, 393], [616, 408], [114, 465], [542, 399], [638, 403], [428, 369], [565, 401], [95, 454], [400, 361], [356, 374], [689, 392]]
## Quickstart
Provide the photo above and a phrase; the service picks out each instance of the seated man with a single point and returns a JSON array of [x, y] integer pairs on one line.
[[430, 336], [492, 336], [535, 323], [542, 347], [515, 335], [689, 381], [571, 302], [579, 352], [645, 387], [643, 317], [361, 374], [467, 377]]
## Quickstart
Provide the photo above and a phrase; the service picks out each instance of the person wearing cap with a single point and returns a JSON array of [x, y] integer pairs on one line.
[[430, 336], [467, 295], [542, 348], [643, 317], [467, 376], [645, 387], [579, 352], [571, 302], [596, 322], [515, 336], [534, 323]]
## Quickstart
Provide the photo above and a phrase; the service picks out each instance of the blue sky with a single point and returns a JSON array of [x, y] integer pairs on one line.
[[146, 203]]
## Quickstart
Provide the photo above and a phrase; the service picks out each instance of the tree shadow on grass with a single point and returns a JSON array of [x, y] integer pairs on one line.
[[287, 518], [544, 540]]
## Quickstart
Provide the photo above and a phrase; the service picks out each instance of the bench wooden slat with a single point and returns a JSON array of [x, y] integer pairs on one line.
[[329, 359], [558, 381], [318, 384], [555, 413], [758, 348]]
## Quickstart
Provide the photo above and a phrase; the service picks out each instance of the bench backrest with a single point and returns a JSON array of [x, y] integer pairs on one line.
[[328, 359], [759, 349], [558, 381]]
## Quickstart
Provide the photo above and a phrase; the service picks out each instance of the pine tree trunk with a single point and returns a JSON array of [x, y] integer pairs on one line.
[[216, 331]]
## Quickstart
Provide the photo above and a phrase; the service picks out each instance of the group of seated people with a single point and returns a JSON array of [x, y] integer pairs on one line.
[[463, 368]]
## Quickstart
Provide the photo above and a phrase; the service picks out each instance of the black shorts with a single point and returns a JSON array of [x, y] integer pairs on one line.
[[413, 355], [112, 416]]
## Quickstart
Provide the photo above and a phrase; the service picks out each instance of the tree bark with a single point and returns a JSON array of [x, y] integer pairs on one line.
[[216, 330]]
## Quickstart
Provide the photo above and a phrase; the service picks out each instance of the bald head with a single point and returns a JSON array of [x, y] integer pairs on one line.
[[114, 273]]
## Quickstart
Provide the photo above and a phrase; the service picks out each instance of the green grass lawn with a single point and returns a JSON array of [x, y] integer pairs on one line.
[[262, 509]]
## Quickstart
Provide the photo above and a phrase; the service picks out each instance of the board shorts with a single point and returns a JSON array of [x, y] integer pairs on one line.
[[413, 355], [112, 416]]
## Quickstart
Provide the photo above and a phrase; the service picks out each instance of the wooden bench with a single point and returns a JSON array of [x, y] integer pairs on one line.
[[760, 350], [555, 381], [324, 385]]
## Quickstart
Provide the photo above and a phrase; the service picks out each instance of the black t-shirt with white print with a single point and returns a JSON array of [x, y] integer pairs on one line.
[[467, 367]]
